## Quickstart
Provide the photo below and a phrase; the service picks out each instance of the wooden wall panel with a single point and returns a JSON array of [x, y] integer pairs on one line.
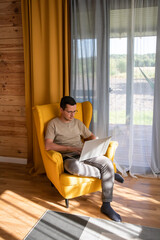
[[10, 7], [9, 89], [11, 32], [13, 121], [7, 66], [16, 152], [10, 20], [8, 44], [13, 132], [11, 55], [12, 78], [12, 100], [17, 111]]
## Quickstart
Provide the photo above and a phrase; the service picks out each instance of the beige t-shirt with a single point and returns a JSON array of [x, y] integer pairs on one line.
[[68, 134]]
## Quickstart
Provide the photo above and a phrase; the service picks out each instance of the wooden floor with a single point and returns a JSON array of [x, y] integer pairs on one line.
[[24, 199]]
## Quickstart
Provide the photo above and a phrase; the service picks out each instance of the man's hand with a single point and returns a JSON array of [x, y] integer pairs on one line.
[[92, 137], [74, 149]]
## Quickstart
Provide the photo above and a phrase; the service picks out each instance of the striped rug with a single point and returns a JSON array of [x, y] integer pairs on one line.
[[63, 226]]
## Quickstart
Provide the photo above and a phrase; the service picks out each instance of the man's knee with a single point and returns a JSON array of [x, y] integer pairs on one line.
[[107, 165], [71, 166]]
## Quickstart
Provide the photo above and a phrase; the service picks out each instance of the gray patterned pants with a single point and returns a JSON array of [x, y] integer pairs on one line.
[[98, 167]]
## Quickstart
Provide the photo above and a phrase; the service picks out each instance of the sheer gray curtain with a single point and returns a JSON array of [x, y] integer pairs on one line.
[[155, 160], [113, 66], [90, 59]]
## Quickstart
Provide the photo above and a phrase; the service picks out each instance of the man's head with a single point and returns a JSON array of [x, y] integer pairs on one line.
[[67, 100], [68, 108]]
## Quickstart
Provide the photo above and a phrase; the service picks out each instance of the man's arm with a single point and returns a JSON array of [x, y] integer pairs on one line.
[[50, 145], [91, 137]]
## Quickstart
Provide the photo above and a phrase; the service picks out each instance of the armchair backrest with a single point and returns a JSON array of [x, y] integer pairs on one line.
[[44, 113]]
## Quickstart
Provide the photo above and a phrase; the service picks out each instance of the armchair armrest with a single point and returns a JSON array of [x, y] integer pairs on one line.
[[54, 161], [111, 150]]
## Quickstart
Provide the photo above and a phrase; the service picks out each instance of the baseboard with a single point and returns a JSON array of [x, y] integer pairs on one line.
[[13, 160]]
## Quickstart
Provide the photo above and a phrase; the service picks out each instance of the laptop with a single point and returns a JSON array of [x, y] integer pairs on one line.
[[91, 149]]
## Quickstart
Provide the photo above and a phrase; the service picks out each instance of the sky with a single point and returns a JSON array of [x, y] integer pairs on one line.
[[142, 45]]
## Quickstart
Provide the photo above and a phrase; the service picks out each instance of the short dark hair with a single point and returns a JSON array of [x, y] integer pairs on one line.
[[67, 100]]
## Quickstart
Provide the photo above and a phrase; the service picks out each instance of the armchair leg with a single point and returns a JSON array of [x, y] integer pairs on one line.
[[67, 203]]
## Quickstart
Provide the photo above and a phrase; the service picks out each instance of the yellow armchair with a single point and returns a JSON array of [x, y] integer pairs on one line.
[[69, 186]]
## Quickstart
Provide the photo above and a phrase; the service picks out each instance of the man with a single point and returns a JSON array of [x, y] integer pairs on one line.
[[64, 135]]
